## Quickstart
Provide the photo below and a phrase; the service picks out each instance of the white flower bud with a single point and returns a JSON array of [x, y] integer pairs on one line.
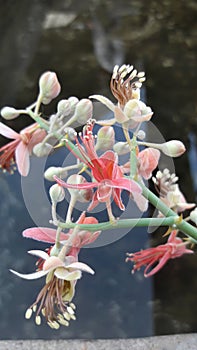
[[56, 193], [9, 113], [49, 87], [53, 170], [42, 149], [64, 108], [121, 148], [83, 111], [105, 138], [141, 135], [193, 216], [73, 102], [80, 195], [173, 148], [71, 133]]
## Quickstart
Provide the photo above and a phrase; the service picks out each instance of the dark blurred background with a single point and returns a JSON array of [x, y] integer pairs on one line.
[[81, 41]]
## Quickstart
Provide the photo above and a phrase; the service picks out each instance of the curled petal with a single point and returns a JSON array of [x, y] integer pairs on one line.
[[82, 186], [81, 266], [126, 184], [40, 253], [141, 201], [22, 159], [8, 132], [30, 276], [104, 100], [43, 234]]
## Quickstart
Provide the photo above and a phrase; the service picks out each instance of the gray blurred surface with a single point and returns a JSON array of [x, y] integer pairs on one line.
[[169, 342]]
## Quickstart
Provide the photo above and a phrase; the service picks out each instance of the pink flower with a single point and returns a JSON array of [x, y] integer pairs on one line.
[[20, 149], [48, 235], [147, 161], [174, 248], [110, 180], [54, 301]]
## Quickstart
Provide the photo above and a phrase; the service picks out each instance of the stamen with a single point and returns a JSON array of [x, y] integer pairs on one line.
[[38, 320], [28, 313]]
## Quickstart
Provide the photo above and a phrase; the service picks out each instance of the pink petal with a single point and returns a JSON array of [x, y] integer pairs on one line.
[[104, 193], [142, 118], [43, 234], [158, 267], [126, 184], [117, 198], [52, 263], [30, 276], [8, 132], [120, 116], [22, 159], [36, 138], [148, 161], [82, 186], [94, 202], [108, 156], [141, 202]]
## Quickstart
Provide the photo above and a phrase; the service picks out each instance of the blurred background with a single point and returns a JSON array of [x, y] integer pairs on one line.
[[81, 41]]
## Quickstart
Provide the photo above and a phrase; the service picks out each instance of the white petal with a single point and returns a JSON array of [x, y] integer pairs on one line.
[[29, 276], [64, 274], [81, 266], [40, 253], [104, 100]]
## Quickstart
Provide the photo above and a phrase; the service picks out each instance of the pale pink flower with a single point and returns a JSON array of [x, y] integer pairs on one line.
[[19, 150], [176, 200], [169, 191], [125, 84], [54, 301], [48, 235], [147, 161], [155, 258]]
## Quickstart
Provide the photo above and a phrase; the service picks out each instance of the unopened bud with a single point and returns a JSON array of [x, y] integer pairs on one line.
[[56, 193], [64, 108], [53, 170], [49, 87], [70, 133], [83, 111], [105, 138], [73, 102], [141, 135], [42, 149], [9, 113], [173, 148], [193, 216], [80, 195], [121, 148]]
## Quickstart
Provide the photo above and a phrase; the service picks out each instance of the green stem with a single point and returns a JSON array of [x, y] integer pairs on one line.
[[125, 223], [181, 224]]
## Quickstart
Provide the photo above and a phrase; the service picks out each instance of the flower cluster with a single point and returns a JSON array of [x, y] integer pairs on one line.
[[101, 174]]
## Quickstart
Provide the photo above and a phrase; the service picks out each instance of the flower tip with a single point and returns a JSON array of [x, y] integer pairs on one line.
[[173, 148], [9, 113], [49, 87]]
